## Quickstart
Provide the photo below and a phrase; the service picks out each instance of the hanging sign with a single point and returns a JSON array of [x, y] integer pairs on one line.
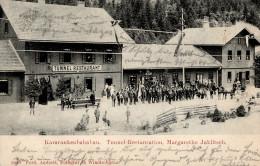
[[75, 68]]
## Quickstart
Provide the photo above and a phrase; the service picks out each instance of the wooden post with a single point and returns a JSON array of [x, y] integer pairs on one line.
[[217, 79]]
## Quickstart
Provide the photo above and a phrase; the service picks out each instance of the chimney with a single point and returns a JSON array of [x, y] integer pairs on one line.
[[206, 22], [81, 3]]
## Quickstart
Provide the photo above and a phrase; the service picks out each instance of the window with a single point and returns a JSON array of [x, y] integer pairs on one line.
[[109, 58], [66, 58], [239, 40], [239, 55], [89, 58], [6, 28], [42, 57], [229, 77], [229, 55], [247, 55], [247, 75], [187, 77], [3, 87], [211, 76], [175, 78], [90, 84]]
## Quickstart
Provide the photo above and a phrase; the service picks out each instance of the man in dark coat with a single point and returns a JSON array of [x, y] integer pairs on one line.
[[92, 98]]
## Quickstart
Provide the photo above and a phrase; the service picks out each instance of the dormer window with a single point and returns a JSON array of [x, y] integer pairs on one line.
[[239, 40]]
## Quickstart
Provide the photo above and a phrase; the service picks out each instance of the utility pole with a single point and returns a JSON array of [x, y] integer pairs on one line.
[[182, 24]]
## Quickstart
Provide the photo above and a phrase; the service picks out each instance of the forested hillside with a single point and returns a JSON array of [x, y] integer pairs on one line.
[[165, 15]]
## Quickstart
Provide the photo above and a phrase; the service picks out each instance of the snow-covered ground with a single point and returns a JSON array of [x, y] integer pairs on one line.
[[53, 121]]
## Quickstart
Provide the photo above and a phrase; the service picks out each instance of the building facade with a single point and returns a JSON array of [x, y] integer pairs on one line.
[[82, 45], [187, 65], [233, 47]]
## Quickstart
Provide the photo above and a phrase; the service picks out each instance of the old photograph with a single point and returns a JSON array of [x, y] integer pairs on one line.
[[129, 67]]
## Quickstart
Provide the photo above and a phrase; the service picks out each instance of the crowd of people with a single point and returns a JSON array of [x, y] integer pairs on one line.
[[158, 92]]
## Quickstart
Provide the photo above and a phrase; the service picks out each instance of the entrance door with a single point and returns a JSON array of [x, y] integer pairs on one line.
[[108, 81]]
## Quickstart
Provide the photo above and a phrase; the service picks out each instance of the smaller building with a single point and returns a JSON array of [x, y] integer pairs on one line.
[[233, 47], [11, 73], [188, 64]]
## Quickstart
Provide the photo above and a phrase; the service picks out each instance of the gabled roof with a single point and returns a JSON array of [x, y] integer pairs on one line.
[[47, 22], [152, 56], [212, 36], [9, 59]]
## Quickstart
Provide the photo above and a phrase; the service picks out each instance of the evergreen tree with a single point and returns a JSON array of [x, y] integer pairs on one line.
[[32, 87], [62, 87], [101, 3]]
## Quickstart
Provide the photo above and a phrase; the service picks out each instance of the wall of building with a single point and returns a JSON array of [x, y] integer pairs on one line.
[[234, 46], [235, 66], [158, 73], [234, 72], [78, 78], [108, 70], [15, 87]]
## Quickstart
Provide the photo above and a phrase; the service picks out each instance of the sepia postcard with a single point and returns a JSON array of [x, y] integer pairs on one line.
[[130, 82]]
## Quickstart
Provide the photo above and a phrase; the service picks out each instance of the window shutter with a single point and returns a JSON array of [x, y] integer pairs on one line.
[[10, 87], [61, 58], [37, 57], [72, 58], [84, 56], [93, 58], [48, 57], [94, 83], [114, 58]]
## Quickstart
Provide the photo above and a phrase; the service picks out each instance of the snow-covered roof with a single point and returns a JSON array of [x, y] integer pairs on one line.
[[213, 36], [9, 59], [47, 22], [152, 56]]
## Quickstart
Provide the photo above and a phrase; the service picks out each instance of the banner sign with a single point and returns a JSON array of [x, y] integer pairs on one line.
[[66, 68]]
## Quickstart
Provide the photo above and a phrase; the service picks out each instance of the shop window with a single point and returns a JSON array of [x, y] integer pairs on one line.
[[229, 55], [3, 87], [187, 77], [66, 58], [175, 77], [42, 57], [229, 77], [247, 75], [211, 76], [248, 55], [239, 55], [109, 58], [6, 28], [90, 84], [133, 80], [89, 58]]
